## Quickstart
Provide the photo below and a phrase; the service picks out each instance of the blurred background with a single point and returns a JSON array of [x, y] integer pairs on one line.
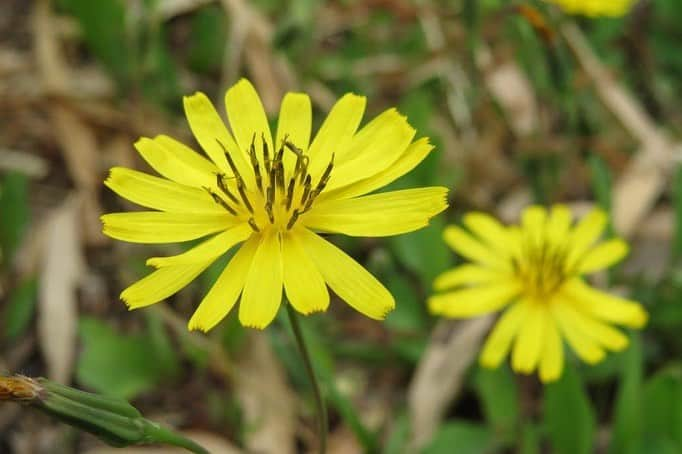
[[524, 104]]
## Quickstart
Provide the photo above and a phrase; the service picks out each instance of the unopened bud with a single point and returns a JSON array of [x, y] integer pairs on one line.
[[111, 419]]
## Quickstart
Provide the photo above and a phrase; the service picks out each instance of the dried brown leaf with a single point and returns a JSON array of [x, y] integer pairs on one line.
[[61, 270], [440, 374], [267, 401]]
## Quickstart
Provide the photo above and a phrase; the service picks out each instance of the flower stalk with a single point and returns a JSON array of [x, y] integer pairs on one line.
[[319, 401]]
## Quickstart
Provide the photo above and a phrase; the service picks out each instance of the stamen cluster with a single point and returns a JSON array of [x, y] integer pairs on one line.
[[542, 267], [279, 199]]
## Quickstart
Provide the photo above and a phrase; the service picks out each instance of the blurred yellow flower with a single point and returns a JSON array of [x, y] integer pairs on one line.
[[274, 196], [535, 271], [594, 8]]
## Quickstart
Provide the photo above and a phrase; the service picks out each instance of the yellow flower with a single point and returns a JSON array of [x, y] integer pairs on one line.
[[535, 270], [594, 8], [274, 197]]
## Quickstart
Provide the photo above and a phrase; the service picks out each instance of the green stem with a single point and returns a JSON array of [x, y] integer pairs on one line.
[[321, 407]]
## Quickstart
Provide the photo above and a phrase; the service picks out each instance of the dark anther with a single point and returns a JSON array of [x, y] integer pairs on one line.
[[229, 160], [325, 176], [271, 215], [220, 181], [270, 195], [290, 191], [301, 160], [217, 199], [253, 225], [278, 156], [255, 164], [306, 189], [266, 153], [279, 174], [293, 219], [242, 193]]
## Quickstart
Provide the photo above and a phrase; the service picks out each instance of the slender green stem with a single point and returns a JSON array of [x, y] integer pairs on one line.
[[319, 401]]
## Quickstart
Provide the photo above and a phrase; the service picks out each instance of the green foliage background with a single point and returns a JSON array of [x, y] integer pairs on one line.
[[631, 403]]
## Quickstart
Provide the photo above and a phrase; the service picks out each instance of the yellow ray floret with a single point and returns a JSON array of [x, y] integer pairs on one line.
[[594, 8], [272, 199], [534, 273]]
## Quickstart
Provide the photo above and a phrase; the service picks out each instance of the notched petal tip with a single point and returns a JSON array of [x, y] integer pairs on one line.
[[257, 326], [193, 96], [194, 325]]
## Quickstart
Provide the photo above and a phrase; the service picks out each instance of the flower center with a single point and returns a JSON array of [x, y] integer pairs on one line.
[[284, 187], [541, 267]]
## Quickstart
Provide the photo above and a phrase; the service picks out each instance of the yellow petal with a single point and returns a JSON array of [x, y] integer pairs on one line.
[[552, 358], [159, 193], [246, 114], [606, 307], [384, 214], [176, 162], [263, 287], [489, 230], [583, 345], [160, 227], [601, 333], [347, 278], [585, 234], [530, 340], [603, 256], [375, 148], [500, 338], [414, 154], [464, 275], [474, 301], [208, 250], [161, 284], [466, 246], [336, 132], [304, 285], [295, 123], [212, 134], [223, 295], [559, 224], [533, 222]]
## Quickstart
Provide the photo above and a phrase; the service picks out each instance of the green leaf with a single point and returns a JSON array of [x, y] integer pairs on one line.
[[207, 39], [20, 309], [103, 23], [677, 202], [423, 252], [461, 437], [399, 435], [14, 214], [409, 314], [601, 183], [662, 406], [568, 414], [530, 439], [627, 413], [123, 365], [498, 393], [158, 70]]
